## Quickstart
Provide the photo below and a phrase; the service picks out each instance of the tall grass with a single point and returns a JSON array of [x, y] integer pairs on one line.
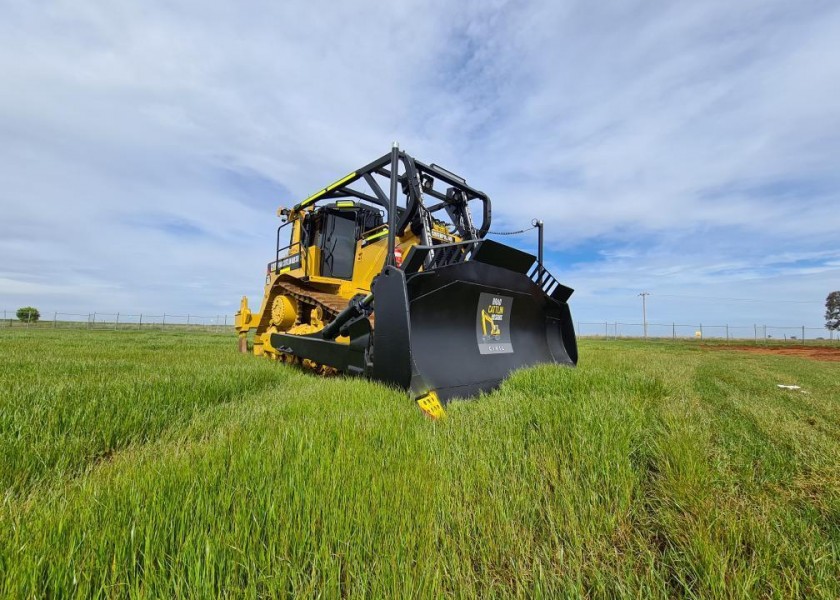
[[162, 465], [72, 398]]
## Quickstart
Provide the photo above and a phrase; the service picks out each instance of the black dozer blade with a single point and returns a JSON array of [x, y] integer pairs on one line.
[[458, 329]]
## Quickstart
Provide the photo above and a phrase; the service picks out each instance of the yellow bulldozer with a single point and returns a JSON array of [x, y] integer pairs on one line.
[[405, 288]]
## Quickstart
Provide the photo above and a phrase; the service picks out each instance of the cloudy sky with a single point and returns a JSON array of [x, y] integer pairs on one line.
[[686, 149]]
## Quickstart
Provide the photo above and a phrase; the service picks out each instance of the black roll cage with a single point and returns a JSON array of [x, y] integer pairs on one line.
[[416, 181]]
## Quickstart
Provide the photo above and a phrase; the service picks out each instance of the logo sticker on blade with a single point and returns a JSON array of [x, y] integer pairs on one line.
[[492, 324]]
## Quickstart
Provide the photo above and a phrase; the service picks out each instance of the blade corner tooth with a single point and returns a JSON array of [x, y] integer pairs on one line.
[[430, 404]]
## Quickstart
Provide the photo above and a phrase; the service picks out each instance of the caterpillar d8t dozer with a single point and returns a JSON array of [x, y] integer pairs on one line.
[[403, 287]]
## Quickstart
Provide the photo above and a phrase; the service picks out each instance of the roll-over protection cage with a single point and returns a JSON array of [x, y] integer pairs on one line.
[[415, 180]]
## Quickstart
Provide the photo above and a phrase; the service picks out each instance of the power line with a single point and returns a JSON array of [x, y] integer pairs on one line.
[[740, 299]]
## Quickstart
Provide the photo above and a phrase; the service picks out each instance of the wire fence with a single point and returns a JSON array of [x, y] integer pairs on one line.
[[117, 321], [613, 330]]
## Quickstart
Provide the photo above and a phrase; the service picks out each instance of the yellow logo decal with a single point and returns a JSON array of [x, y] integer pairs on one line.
[[492, 323]]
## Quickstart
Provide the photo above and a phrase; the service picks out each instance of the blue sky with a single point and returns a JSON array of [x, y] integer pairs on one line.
[[685, 149]]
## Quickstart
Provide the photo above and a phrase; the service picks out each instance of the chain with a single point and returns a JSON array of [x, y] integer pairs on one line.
[[512, 232]]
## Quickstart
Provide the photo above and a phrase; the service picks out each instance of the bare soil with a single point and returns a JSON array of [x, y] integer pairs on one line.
[[813, 352]]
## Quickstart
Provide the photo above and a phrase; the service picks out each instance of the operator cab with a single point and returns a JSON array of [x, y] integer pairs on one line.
[[335, 229]]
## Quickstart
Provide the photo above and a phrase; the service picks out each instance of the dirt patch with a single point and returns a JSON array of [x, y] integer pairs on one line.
[[812, 352]]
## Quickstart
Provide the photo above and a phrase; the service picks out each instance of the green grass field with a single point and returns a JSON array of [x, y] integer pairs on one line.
[[162, 465]]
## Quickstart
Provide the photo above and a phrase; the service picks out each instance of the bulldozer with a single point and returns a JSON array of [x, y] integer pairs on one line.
[[405, 288]]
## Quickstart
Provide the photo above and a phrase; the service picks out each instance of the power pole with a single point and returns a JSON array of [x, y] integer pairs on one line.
[[644, 296]]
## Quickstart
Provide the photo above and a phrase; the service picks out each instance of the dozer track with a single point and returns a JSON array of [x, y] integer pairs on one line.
[[331, 304]]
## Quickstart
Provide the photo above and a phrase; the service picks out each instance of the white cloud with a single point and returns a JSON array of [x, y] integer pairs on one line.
[[691, 142]]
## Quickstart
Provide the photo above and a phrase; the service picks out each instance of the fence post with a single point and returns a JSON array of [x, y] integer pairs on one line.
[[225, 320], [93, 324], [188, 319], [803, 335], [701, 331], [727, 332], [117, 322], [55, 319], [673, 331], [164, 319], [140, 325]]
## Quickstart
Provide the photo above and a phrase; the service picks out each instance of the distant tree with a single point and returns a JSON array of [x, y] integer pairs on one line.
[[832, 311], [28, 314]]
